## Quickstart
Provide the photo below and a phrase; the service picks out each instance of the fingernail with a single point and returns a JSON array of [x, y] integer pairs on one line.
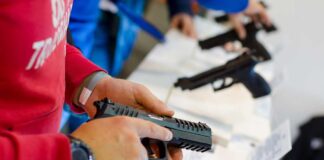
[[171, 112], [169, 136]]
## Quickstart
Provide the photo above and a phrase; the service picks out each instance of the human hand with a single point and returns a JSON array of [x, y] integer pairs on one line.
[[119, 138], [130, 94], [175, 153], [256, 11], [127, 93], [184, 23]]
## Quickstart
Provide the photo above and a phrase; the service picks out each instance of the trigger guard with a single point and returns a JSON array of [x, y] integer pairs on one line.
[[223, 86], [162, 146]]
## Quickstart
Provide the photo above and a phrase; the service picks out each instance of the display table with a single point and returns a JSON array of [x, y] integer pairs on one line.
[[232, 113]]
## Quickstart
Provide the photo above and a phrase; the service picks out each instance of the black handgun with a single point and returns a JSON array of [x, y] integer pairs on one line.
[[239, 70], [186, 134], [250, 41]]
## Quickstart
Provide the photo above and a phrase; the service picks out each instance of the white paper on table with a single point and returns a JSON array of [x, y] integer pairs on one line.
[[276, 145], [238, 150]]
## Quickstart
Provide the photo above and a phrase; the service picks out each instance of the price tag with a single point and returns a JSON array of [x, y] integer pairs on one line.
[[276, 146]]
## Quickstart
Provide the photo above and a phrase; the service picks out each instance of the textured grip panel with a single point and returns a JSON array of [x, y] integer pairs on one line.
[[125, 111], [198, 147], [197, 127], [190, 144], [107, 108]]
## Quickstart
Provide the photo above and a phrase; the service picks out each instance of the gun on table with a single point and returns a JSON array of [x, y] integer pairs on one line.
[[250, 41], [239, 70], [186, 134]]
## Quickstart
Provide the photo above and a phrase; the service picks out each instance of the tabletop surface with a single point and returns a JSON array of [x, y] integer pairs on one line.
[[232, 113]]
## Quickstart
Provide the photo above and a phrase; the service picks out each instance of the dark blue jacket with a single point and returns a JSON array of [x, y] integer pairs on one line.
[[179, 6]]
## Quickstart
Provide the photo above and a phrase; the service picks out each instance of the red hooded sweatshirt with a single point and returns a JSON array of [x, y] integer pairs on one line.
[[38, 69]]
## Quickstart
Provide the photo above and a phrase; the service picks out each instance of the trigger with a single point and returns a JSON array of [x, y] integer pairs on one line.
[[147, 145], [218, 85], [229, 82], [156, 150], [226, 83]]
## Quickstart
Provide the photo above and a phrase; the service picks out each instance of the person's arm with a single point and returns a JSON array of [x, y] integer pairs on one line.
[[36, 147], [99, 135], [181, 13], [102, 141], [77, 69]]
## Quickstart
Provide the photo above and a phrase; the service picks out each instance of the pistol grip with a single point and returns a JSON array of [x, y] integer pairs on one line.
[[256, 85], [261, 51], [253, 44], [161, 146]]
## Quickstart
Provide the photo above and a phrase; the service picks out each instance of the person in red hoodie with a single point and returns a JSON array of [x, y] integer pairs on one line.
[[39, 71]]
